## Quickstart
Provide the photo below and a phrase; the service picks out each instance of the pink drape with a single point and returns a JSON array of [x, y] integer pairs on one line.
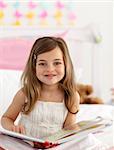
[[14, 52]]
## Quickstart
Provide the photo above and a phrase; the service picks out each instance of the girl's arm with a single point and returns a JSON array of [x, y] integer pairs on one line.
[[71, 118], [9, 117]]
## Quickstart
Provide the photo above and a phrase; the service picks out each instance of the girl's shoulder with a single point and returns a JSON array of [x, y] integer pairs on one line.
[[77, 97], [20, 93], [20, 97]]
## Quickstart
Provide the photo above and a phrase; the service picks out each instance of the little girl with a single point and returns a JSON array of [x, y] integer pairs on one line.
[[48, 100]]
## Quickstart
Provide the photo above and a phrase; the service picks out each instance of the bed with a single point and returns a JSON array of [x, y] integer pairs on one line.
[[10, 72], [97, 141]]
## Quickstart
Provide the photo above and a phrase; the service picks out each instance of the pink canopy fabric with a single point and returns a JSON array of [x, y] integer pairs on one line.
[[14, 52]]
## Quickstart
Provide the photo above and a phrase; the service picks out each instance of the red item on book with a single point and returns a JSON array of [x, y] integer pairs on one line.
[[2, 148], [46, 144]]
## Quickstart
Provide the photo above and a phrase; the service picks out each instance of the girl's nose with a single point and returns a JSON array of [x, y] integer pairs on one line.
[[50, 67]]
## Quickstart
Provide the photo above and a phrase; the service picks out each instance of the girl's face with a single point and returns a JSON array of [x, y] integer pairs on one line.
[[50, 68]]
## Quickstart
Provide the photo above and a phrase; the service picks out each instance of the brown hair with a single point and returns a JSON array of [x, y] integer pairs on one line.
[[31, 84]]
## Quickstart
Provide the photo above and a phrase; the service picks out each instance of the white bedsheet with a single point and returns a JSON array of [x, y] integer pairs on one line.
[[89, 111], [106, 111]]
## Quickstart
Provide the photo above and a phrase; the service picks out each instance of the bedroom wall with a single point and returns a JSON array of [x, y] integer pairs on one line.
[[90, 40]]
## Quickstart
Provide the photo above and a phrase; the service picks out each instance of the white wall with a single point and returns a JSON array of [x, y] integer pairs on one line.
[[101, 13], [96, 59]]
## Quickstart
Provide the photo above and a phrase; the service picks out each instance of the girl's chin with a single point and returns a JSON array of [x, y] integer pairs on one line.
[[50, 82]]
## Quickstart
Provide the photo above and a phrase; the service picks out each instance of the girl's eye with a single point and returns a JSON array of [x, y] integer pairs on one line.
[[57, 63], [42, 64]]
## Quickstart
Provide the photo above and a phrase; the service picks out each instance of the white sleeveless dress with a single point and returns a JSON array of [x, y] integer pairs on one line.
[[45, 119]]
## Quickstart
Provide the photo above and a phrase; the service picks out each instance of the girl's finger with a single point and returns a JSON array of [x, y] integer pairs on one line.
[[22, 129]]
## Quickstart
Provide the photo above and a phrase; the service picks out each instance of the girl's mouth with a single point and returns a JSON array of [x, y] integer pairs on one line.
[[50, 75]]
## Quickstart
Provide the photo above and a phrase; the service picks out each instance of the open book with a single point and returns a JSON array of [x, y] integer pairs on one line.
[[77, 131]]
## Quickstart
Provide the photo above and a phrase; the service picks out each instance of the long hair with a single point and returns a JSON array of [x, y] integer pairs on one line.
[[30, 82]]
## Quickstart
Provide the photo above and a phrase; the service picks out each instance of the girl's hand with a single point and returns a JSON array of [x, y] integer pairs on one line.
[[74, 126], [18, 129]]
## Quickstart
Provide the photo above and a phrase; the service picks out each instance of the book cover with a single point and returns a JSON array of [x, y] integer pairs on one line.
[[64, 135]]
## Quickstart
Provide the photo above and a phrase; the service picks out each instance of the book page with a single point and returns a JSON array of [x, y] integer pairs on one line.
[[20, 136], [88, 126], [34, 142]]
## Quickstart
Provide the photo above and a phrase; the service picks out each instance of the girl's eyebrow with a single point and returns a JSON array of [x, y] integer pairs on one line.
[[54, 60], [57, 59], [41, 60]]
